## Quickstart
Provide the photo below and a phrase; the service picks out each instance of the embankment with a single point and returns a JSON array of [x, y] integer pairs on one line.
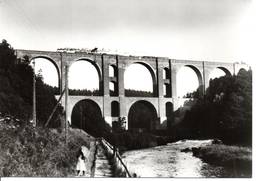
[[29, 151], [237, 160]]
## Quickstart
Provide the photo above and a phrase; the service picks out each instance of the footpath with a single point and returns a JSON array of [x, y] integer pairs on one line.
[[97, 163], [102, 165]]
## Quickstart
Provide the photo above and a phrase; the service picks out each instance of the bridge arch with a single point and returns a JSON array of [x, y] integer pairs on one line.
[[53, 63], [87, 115], [91, 66], [225, 70], [183, 88], [150, 69], [198, 73], [145, 118], [97, 67]]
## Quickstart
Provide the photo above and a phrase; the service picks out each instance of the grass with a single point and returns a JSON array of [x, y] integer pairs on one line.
[[29, 151], [234, 158]]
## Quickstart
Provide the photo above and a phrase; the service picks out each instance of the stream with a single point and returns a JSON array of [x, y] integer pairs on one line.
[[169, 161]]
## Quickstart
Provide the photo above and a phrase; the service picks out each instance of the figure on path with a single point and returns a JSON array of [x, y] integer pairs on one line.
[[81, 165]]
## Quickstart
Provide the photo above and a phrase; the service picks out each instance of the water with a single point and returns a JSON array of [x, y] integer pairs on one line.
[[169, 161]]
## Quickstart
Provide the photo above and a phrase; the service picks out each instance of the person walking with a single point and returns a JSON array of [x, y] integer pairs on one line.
[[81, 165]]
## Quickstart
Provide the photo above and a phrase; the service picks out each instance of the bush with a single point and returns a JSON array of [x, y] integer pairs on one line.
[[29, 151]]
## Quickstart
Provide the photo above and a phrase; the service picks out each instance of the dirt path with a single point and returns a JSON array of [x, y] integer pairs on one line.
[[102, 166]]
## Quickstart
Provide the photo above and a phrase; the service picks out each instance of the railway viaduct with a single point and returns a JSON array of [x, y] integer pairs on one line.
[[163, 72]]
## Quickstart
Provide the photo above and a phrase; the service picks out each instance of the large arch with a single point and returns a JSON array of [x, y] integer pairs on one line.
[[53, 62], [192, 69], [219, 72], [225, 70], [198, 73], [86, 114], [150, 70], [96, 67], [142, 115]]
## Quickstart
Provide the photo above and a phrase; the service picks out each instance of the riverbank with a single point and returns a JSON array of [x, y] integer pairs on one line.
[[237, 160], [127, 140], [36, 151]]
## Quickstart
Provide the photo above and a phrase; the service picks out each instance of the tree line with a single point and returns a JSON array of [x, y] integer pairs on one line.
[[16, 90], [225, 112]]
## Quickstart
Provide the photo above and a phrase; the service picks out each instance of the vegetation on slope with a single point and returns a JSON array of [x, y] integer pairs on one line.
[[16, 77], [35, 151], [237, 159], [225, 112]]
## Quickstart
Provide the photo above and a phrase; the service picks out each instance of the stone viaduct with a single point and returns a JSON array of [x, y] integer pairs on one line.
[[163, 72]]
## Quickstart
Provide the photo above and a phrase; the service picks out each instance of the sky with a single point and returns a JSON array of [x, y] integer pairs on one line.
[[210, 30]]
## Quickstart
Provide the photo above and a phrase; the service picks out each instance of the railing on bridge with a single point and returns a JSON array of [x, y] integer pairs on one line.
[[113, 151]]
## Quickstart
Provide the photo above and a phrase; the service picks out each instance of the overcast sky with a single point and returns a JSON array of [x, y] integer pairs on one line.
[[187, 29], [220, 30]]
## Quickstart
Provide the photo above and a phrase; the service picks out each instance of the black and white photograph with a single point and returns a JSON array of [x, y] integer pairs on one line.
[[128, 89]]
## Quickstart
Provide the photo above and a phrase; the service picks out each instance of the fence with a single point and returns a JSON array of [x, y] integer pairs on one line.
[[118, 160]]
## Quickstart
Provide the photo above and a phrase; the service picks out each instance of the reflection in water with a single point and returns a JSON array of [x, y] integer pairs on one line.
[[169, 161]]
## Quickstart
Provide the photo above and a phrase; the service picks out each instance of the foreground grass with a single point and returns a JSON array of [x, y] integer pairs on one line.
[[237, 160], [29, 151]]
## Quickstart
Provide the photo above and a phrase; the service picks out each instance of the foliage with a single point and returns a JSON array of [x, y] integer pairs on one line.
[[16, 77], [29, 151], [45, 102], [137, 93], [84, 92], [129, 140], [225, 112], [236, 159], [7, 57]]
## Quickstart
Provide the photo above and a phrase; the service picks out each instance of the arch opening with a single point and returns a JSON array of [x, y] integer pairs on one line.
[[84, 78], [189, 79], [115, 109], [166, 90], [139, 80], [112, 71], [48, 70], [86, 115], [166, 73], [166, 85], [113, 84], [142, 116], [219, 72]]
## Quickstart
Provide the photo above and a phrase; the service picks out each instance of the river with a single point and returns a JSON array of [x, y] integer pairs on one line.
[[169, 161]]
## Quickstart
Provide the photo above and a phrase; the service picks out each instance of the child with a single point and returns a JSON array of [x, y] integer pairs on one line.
[[81, 165]]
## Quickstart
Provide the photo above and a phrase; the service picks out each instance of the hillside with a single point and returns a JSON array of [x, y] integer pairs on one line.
[[29, 151]]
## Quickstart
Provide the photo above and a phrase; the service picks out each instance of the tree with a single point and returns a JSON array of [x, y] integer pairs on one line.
[[7, 56], [225, 112]]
